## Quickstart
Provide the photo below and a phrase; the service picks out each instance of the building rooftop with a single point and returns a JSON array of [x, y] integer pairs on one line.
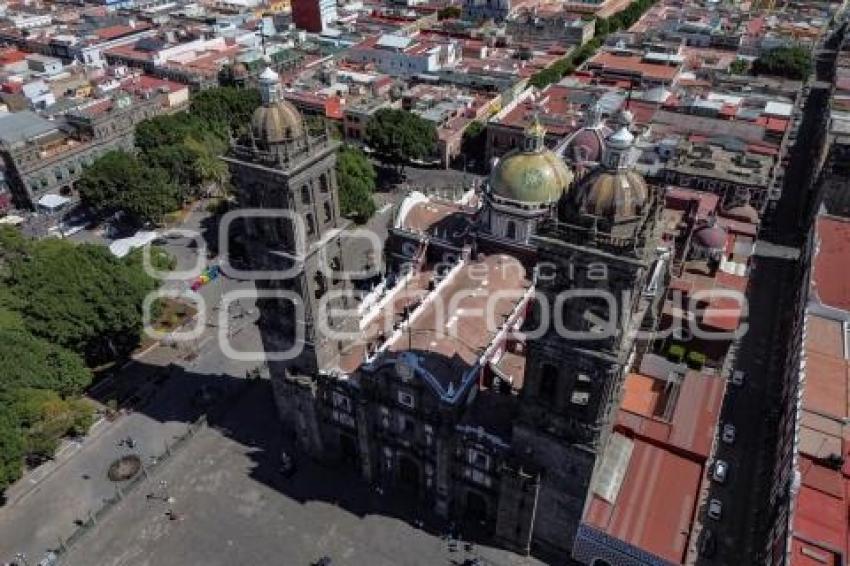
[[821, 529], [18, 127], [663, 437]]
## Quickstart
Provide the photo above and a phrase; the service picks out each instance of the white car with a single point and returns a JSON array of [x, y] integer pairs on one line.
[[721, 469], [728, 434], [738, 377], [715, 509]]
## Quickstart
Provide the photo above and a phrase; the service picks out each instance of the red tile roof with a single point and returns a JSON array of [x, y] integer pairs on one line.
[[633, 63], [111, 32], [830, 283]]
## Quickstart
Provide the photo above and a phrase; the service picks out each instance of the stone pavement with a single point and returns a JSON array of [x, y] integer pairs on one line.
[[234, 508]]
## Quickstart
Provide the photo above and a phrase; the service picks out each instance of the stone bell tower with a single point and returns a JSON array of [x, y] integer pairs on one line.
[[594, 266], [286, 184]]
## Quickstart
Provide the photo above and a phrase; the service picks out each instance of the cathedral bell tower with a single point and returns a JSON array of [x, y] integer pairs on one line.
[[286, 184], [593, 265]]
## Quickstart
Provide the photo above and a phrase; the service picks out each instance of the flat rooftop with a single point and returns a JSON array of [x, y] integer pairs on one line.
[[662, 440]]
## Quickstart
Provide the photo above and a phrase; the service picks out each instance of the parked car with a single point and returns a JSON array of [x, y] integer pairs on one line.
[[715, 509], [708, 543], [728, 434], [738, 377], [287, 464], [721, 470]]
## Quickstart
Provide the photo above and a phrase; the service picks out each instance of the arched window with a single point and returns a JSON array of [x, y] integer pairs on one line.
[[311, 224], [305, 194], [510, 230], [324, 185], [548, 383], [328, 211]]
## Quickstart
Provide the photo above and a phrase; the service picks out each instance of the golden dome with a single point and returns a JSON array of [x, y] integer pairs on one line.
[[276, 123], [534, 177], [615, 194]]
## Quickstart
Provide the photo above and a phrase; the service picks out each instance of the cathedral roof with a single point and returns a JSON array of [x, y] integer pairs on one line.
[[531, 177]]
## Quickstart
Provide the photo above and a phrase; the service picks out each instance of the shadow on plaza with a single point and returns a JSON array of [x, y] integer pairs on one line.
[[243, 410]]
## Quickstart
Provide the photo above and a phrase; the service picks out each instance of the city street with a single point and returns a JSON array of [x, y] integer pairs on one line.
[[759, 357]]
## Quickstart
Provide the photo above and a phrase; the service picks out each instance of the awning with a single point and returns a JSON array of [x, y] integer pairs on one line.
[[53, 201]]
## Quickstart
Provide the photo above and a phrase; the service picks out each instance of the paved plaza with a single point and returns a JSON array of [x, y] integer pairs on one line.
[[232, 507]]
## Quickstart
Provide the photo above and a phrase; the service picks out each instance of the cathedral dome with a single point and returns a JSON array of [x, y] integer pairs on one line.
[[711, 237], [277, 123], [277, 120], [615, 194], [533, 175], [586, 144]]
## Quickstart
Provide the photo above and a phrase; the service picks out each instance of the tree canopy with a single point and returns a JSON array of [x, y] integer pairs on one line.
[[356, 178], [789, 62], [60, 305], [399, 136], [178, 157], [474, 143], [227, 105], [120, 181], [29, 361], [80, 297]]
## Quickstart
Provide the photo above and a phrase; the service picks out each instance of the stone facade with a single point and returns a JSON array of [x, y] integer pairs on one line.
[[54, 162]]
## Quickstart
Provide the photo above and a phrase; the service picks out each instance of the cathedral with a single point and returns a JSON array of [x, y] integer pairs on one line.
[[477, 366]]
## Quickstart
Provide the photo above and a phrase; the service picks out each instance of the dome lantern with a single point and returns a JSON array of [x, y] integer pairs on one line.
[[269, 87], [618, 148], [535, 137]]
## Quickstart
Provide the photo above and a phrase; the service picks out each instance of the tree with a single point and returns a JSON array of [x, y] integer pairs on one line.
[[226, 105], [34, 362], [790, 62], [739, 67], [356, 178], [44, 417], [178, 160], [80, 297], [11, 448], [399, 136], [474, 142], [209, 169], [448, 13], [119, 181]]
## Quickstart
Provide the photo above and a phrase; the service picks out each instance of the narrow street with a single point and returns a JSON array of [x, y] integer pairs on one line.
[[773, 293]]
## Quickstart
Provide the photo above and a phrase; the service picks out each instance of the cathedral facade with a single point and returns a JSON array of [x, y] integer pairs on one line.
[[480, 371]]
